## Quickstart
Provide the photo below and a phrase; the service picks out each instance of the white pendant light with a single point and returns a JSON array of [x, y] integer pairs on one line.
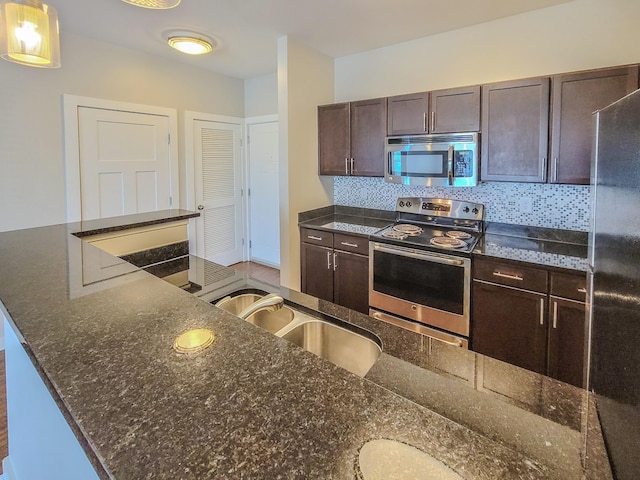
[[190, 43], [29, 33], [154, 4]]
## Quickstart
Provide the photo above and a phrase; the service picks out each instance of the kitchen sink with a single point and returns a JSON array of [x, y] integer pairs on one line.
[[272, 321], [340, 345]]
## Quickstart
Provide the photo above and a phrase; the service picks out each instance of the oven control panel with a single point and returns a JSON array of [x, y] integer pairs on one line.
[[441, 207]]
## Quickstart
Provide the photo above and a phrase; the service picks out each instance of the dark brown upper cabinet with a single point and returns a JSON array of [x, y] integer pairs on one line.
[[407, 114], [575, 97], [441, 111], [515, 124], [334, 147], [455, 110], [351, 138]]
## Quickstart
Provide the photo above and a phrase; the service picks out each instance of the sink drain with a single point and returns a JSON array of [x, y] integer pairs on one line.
[[194, 341]]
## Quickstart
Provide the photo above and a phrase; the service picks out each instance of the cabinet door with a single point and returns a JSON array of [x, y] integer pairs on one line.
[[455, 110], [316, 268], [407, 114], [333, 139], [515, 121], [575, 97], [351, 281], [510, 325], [566, 341], [368, 131]]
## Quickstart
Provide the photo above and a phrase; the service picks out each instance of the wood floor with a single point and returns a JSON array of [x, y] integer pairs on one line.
[[4, 444], [259, 272]]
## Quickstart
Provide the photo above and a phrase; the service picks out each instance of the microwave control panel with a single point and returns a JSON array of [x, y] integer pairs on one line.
[[463, 163]]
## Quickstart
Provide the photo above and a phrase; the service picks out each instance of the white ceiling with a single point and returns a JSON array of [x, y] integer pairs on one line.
[[247, 30]]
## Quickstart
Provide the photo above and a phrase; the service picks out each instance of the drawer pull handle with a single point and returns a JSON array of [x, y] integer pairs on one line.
[[312, 237], [555, 314], [582, 290], [335, 262], [349, 244], [542, 311], [328, 260], [509, 276]]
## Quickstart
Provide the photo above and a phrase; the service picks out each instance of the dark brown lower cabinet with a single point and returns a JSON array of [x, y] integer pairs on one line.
[[509, 324], [566, 340], [317, 276], [335, 274], [537, 330], [351, 281]]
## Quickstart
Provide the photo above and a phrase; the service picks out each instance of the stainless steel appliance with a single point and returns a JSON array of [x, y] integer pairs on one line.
[[614, 281], [432, 160], [420, 267]]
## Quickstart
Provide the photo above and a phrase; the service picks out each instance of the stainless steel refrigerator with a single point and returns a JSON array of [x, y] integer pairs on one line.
[[614, 258]]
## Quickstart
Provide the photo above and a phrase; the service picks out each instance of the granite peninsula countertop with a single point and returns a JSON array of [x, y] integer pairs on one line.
[[256, 406]]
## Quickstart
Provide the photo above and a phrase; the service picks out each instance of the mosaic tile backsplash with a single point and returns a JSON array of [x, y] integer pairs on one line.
[[540, 205]]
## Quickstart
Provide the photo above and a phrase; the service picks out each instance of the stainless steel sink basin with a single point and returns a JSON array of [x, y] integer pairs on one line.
[[238, 303], [344, 348], [271, 321]]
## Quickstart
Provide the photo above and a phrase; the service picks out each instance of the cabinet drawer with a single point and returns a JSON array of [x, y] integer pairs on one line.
[[351, 243], [503, 273], [316, 237], [570, 286]]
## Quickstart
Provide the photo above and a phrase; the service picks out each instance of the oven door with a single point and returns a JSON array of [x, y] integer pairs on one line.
[[430, 288]]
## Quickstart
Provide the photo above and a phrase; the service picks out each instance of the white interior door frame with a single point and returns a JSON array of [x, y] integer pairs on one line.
[[189, 133], [251, 121], [70, 105]]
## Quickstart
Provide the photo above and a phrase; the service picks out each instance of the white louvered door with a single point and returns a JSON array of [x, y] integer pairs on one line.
[[218, 191]]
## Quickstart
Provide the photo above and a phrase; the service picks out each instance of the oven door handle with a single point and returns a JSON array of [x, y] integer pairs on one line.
[[420, 256]]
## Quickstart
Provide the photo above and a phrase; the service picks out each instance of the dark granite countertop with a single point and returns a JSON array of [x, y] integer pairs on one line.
[[256, 406], [114, 224], [562, 249]]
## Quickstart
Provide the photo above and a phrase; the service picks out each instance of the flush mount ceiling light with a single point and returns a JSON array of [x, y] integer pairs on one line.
[[190, 43], [29, 33], [154, 4]]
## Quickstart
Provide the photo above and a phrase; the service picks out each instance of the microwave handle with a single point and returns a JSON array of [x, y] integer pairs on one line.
[[450, 165]]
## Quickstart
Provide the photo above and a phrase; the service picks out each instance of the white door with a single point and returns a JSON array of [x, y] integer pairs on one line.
[[218, 191], [264, 223], [125, 162]]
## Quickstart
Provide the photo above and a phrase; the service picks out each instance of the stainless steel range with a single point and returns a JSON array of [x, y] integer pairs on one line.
[[420, 267]]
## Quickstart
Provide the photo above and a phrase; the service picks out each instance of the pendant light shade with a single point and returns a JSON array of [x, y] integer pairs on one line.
[[29, 33], [155, 4]]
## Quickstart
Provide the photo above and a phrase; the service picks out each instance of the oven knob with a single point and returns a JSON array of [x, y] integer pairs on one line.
[[475, 210], [401, 203], [465, 209], [408, 204], [424, 206]]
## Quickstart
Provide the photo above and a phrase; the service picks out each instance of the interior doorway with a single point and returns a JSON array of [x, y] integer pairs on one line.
[[215, 186], [120, 158], [263, 189]]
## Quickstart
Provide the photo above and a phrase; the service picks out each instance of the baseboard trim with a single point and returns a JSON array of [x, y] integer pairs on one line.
[[7, 470]]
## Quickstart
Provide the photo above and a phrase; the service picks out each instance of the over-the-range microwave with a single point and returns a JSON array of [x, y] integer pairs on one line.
[[432, 160]]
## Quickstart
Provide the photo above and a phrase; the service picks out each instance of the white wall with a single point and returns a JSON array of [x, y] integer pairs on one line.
[[578, 35], [305, 80], [261, 95], [32, 190]]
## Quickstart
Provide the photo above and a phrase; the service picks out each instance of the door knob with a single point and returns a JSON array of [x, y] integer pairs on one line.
[[200, 207]]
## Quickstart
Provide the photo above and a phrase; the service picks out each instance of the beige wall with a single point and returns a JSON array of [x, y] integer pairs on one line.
[[578, 35], [32, 185], [261, 95], [305, 80]]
